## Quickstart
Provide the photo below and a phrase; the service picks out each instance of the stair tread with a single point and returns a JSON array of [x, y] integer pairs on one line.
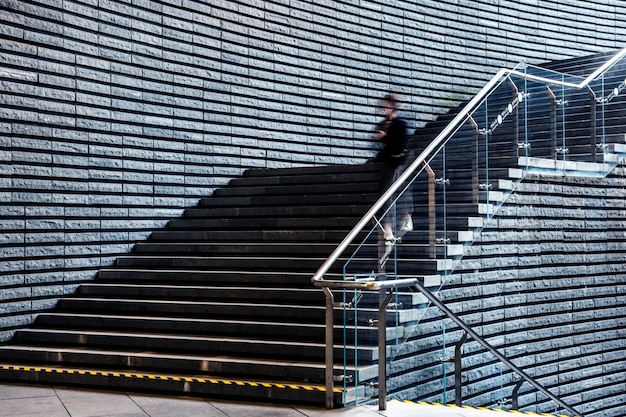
[[179, 321], [185, 337], [188, 302], [189, 320], [151, 354], [7, 365], [200, 288], [297, 307]]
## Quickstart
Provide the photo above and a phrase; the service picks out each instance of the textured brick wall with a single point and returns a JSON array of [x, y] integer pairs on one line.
[[545, 283], [116, 114]]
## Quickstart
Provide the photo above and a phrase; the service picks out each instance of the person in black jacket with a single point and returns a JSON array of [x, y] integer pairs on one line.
[[392, 132]]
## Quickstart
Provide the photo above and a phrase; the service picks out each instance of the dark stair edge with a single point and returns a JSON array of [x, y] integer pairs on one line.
[[171, 383]]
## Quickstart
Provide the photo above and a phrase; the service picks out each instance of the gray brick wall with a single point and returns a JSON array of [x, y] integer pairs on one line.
[[545, 283], [115, 115]]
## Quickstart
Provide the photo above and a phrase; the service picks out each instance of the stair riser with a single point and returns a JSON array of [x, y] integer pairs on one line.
[[281, 191], [286, 371], [252, 236], [294, 371], [230, 294], [314, 333], [248, 348], [288, 223], [286, 313], [205, 309], [258, 264], [371, 176], [279, 211], [222, 389], [309, 171], [293, 200], [265, 250], [205, 278]]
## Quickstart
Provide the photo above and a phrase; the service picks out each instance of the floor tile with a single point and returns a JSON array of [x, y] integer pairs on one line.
[[32, 407], [94, 403], [10, 390], [247, 409], [159, 406]]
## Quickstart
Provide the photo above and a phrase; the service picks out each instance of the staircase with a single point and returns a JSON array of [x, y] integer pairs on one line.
[[218, 303]]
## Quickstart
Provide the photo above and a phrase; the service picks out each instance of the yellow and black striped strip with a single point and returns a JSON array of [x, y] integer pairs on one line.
[[166, 378], [235, 383], [527, 413]]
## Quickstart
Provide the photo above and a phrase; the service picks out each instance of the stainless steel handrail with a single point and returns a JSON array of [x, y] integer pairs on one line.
[[383, 285], [446, 133]]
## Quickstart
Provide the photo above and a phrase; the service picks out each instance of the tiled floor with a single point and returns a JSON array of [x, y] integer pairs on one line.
[[45, 401]]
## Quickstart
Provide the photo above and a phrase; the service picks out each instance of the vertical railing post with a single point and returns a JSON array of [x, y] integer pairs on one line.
[[329, 348], [475, 173], [432, 225], [593, 135], [515, 395], [458, 370], [384, 300], [553, 103], [515, 117]]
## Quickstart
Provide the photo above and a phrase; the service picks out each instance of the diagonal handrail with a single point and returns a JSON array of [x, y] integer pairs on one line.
[[431, 149], [415, 285], [415, 168]]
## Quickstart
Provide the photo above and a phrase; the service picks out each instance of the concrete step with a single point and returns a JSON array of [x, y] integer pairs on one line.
[[296, 189], [253, 236], [206, 326], [316, 200], [256, 212], [315, 171], [237, 263], [168, 383], [207, 276], [234, 346], [267, 249], [348, 175], [225, 309], [277, 295], [274, 223], [210, 366]]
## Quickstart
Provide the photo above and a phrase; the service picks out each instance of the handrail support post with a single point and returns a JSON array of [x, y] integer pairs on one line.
[[384, 299], [515, 395], [329, 358], [431, 211], [458, 370]]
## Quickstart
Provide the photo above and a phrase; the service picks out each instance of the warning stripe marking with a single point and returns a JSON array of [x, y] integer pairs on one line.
[[237, 383], [529, 413], [167, 378]]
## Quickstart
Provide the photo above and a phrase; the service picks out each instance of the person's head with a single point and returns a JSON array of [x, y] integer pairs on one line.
[[389, 105]]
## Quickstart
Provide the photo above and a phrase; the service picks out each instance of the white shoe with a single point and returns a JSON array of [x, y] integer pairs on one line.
[[389, 244], [406, 225]]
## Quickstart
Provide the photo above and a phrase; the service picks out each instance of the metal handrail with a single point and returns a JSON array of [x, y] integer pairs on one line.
[[414, 284], [434, 146]]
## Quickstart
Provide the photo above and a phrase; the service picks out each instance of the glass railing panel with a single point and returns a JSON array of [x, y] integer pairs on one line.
[[497, 145], [540, 116], [558, 125], [574, 127], [358, 353], [396, 246], [541, 121], [609, 92]]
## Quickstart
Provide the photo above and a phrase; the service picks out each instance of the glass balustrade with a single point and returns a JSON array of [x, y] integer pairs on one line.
[[532, 120]]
